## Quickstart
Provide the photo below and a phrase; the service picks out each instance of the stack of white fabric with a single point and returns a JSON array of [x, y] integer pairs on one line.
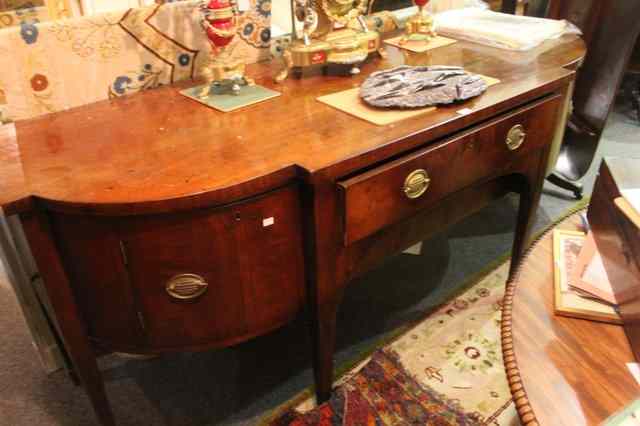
[[438, 6], [500, 30]]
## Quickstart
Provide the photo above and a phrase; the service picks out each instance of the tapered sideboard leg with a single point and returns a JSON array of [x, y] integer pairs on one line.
[[526, 215], [324, 341], [45, 252], [530, 192]]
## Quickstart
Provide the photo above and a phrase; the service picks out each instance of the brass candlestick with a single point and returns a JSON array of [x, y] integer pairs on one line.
[[419, 26], [226, 86], [222, 73], [322, 43]]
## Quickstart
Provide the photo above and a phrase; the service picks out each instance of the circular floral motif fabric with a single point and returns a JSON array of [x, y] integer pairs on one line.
[[112, 54], [146, 78], [29, 32], [39, 82], [255, 24]]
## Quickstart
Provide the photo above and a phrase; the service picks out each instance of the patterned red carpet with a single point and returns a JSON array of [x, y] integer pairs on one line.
[[382, 393]]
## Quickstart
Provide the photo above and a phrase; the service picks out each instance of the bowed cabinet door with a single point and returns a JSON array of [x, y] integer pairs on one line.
[[217, 277], [91, 252]]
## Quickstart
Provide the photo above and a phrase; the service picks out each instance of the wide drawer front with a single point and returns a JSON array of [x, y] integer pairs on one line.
[[400, 188]]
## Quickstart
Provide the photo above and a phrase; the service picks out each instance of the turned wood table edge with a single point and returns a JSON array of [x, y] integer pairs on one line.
[[516, 386]]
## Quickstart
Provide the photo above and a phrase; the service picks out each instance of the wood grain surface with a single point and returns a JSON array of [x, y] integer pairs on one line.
[[159, 151], [561, 371]]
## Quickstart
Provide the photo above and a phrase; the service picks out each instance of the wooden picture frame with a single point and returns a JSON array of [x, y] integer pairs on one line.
[[570, 304]]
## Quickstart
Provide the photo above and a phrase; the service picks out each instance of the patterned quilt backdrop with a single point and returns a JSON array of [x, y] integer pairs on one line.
[[52, 66]]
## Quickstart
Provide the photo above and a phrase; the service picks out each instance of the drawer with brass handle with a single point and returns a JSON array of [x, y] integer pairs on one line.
[[186, 287], [400, 188], [416, 184], [516, 137]]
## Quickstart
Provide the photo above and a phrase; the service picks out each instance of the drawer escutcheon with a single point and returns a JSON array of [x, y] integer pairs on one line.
[[516, 137], [186, 287], [416, 184]]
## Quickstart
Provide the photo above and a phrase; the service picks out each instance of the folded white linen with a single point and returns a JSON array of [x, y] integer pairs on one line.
[[438, 6], [511, 32]]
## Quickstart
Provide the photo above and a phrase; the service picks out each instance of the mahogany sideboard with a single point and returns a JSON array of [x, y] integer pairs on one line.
[[159, 224]]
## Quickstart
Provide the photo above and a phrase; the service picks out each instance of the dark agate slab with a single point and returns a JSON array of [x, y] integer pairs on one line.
[[414, 87]]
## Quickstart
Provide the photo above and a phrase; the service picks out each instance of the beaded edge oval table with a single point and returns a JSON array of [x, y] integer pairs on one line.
[[561, 371]]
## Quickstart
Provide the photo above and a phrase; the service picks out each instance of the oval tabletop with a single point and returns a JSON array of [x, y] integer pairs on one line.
[[561, 371]]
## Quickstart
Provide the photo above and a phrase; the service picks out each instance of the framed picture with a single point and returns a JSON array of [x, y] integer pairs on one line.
[[566, 250]]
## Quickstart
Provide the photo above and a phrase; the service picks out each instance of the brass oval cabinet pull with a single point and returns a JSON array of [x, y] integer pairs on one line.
[[516, 137], [186, 287], [416, 184]]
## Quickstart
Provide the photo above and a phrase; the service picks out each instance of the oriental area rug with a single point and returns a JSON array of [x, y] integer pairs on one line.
[[446, 370]]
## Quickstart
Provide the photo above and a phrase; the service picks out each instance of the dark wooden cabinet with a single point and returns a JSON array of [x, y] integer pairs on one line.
[[240, 220], [245, 263]]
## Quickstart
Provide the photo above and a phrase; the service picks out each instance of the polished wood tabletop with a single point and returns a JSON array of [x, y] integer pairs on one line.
[[561, 371], [130, 155]]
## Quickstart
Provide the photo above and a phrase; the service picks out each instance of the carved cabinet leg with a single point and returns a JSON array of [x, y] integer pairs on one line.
[[71, 325]]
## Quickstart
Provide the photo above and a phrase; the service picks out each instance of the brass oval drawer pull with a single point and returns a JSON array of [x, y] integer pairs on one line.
[[186, 286], [416, 184], [516, 137]]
